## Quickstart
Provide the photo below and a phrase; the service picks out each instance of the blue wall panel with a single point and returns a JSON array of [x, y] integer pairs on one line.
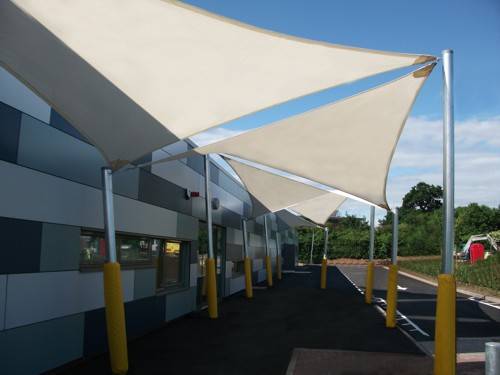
[[10, 122]]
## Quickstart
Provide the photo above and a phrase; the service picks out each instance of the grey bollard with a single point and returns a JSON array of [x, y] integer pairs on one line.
[[492, 358]]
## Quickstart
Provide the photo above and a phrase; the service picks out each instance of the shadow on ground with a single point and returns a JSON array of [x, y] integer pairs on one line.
[[258, 336]]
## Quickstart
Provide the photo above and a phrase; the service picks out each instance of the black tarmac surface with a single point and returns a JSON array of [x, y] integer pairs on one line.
[[258, 336], [477, 322]]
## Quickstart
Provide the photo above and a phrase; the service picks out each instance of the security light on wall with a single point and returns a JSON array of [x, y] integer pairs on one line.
[[215, 203]]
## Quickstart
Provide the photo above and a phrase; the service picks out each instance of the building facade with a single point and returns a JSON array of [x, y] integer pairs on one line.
[[51, 222]]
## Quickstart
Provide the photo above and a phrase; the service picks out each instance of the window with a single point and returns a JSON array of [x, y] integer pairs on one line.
[[170, 265], [134, 250], [168, 256], [92, 249]]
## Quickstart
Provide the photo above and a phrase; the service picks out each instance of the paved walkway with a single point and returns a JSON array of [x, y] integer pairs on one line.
[[259, 336]]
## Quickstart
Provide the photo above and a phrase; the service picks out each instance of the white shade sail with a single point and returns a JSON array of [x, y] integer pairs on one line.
[[294, 221], [136, 75], [319, 209], [347, 145], [273, 192]]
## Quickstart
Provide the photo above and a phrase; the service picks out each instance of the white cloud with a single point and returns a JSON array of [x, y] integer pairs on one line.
[[477, 160]]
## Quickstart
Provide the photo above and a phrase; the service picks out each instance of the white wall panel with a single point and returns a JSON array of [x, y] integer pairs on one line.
[[56, 294], [258, 264], [193, 274]]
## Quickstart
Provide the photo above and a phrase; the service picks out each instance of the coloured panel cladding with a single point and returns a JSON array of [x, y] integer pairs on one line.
[[21, 245], [10, 122]]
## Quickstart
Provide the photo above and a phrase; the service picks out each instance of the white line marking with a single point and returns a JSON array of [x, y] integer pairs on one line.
[[484, 303], [402, 288], [381, 300]]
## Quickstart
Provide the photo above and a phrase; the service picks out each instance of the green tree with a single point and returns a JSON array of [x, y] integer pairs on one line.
[[475, 219], [423, 197]]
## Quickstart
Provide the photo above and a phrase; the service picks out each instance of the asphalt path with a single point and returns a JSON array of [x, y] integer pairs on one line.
[[477, 322], [259, 336]]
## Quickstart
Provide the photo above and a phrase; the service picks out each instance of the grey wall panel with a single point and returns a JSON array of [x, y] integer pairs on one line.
[[237, 284], [227, 200], [144, 283], [233, 187], [178, 173], [230, 219], [159, 192], [214, 173], [17, 95], [52, 151], [180, 303], [10, 124], [127, 183], [28, 194], [59, 122], [227, 287], [55, 294], [60, 248], [234, 236], [195, 245], [21, 244], [197, 163], [3, 300], [40, 347], [187, 227], [198, 208], [234, 252], [144, 315], [193, 274]]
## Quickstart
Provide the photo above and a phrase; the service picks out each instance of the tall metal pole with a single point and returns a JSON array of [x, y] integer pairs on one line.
[[109, 216], [266, 234], [247, 262], [445, 352], [113, 292], [325, 248], [448, 162], [312, 247], [395, 236], [245, 237], [211, 266], [208, 205], [269, 270], [372, 233]]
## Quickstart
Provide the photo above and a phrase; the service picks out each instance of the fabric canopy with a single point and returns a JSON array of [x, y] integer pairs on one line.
[[293, 220], [319, 209], [272, 192], [347, 145], [136, 75]]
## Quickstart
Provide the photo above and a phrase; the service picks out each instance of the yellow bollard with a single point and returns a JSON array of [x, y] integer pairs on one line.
[[248, 278], [115, 318], [369, 282], [269, 271], [324, 269], [278, 267], [212, 289], [392, 296], [445, 334]]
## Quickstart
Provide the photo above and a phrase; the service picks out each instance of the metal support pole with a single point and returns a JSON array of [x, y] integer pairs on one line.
[[278, 257], [445, 332], [247, 261], [312, 247], [492, 358], [269, 270], [109, 215], [113, 293], [370, 266], [324, 262], [448, 162], [372, 233], [395, 236], [208, 205], [325, 248], [211, 268]]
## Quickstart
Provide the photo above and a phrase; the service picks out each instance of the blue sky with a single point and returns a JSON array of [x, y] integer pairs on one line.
[[470, 28]]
